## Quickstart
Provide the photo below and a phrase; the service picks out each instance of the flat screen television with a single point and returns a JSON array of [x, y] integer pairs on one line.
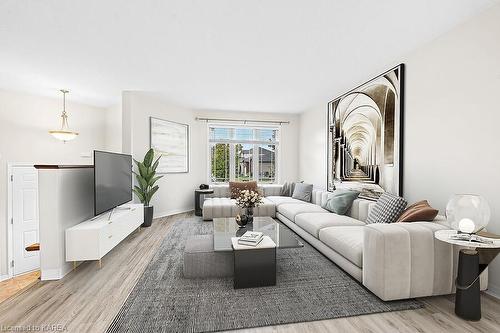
[[112, 180]]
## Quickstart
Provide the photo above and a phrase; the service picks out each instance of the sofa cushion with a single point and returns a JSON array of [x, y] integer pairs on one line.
[[303, 191], [360, 209], [290, 210], [347, 241], [278, 200], [314, 222], [220, 191], [269, 189]]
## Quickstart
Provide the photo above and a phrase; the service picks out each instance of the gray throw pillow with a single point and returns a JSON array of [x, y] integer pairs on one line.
[[387, 209], [287, 189], [303, 191], [340, 201]]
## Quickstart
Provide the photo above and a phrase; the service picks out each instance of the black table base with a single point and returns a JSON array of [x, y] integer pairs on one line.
[[472, 261], [197, 203], [468, 297], [254, 268]]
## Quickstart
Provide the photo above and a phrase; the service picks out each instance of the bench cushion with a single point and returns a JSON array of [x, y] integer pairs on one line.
[[314, 222]]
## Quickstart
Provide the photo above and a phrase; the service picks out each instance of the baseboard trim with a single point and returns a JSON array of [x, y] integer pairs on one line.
[[4, 277], [493, 290], [172, 212], [56, 274], [50, 274]]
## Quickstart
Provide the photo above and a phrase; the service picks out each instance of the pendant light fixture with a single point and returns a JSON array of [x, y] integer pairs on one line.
[[64, 134]]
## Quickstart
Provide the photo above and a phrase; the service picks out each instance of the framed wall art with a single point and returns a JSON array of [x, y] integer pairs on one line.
[[365, 137], [170, 140]]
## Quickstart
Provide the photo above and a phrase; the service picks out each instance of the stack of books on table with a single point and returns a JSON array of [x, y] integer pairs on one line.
[[475, 238], [251, 238]]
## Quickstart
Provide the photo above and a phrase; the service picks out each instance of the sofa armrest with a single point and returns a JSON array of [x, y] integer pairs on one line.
[[404, 260]]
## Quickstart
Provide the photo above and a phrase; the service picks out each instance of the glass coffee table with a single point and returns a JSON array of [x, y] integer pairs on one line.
[[225, 228]]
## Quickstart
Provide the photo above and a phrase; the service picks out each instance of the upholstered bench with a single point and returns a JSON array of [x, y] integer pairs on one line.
[[201, 261]]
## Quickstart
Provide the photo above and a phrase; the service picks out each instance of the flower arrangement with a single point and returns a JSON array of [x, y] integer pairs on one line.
[[249, 199]]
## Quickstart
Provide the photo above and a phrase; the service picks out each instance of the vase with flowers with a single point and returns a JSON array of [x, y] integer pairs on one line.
[[248, 200]]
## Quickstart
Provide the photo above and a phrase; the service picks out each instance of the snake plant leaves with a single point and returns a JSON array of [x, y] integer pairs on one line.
[[148, 159]]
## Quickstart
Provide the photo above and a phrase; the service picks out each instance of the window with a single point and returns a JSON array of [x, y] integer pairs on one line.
[[220, 162], [243, 153]]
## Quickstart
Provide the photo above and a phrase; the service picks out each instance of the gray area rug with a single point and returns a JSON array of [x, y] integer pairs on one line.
[[309, 287]]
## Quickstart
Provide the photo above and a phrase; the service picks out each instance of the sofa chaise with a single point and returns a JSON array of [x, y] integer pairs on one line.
[[394, 261]]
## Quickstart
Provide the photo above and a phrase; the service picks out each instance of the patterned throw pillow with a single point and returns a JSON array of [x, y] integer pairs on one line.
[[387, 209]]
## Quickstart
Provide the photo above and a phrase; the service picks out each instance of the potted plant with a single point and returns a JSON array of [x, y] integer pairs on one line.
[[247, 200], [146, 188]]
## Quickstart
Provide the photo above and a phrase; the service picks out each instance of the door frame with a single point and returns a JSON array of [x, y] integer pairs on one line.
[[10, 245]]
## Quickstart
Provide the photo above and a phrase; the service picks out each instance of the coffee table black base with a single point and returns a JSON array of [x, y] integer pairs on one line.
[[254, 268], [468, 297]]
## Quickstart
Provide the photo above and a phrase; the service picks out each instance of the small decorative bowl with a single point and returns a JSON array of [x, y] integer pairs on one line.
[[241, 220]]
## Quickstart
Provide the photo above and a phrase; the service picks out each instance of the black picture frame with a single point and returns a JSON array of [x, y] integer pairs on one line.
[[399, 162]]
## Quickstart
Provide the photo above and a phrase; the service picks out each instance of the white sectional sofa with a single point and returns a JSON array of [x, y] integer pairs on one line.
[[394, 261]]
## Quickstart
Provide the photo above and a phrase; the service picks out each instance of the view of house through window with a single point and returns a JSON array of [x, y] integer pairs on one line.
[[243, 153]]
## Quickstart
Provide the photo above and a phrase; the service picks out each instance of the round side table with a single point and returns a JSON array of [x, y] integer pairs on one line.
[[472, 261]]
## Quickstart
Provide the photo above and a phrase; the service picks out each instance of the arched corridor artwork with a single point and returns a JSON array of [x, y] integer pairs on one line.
[[365, 137]]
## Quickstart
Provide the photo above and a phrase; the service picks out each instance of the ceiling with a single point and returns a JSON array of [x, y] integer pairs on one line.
[[248, 55]]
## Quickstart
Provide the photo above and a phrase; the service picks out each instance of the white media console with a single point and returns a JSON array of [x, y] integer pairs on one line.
[[94, 238]]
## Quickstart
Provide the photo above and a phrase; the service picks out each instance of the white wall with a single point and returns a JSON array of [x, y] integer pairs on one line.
[[24, 124], [176, 193], [176, 190], [312, 146], [66, 199], [113, 128], [452, 119]]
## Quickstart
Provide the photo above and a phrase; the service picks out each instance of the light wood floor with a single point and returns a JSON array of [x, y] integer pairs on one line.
[[87, 299], [10, 287]]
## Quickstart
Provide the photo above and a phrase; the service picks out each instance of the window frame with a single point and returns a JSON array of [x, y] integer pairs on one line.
[[256, 143]]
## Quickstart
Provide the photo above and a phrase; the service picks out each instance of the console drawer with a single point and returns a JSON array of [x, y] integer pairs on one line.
[[93, 239]]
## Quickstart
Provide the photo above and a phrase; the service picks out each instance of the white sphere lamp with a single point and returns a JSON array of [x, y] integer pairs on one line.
[[468, 213]]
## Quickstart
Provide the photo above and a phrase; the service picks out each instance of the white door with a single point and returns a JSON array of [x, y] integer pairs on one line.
[[25, 218]]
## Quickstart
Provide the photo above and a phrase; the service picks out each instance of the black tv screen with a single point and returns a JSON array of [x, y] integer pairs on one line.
[[112, 180]]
